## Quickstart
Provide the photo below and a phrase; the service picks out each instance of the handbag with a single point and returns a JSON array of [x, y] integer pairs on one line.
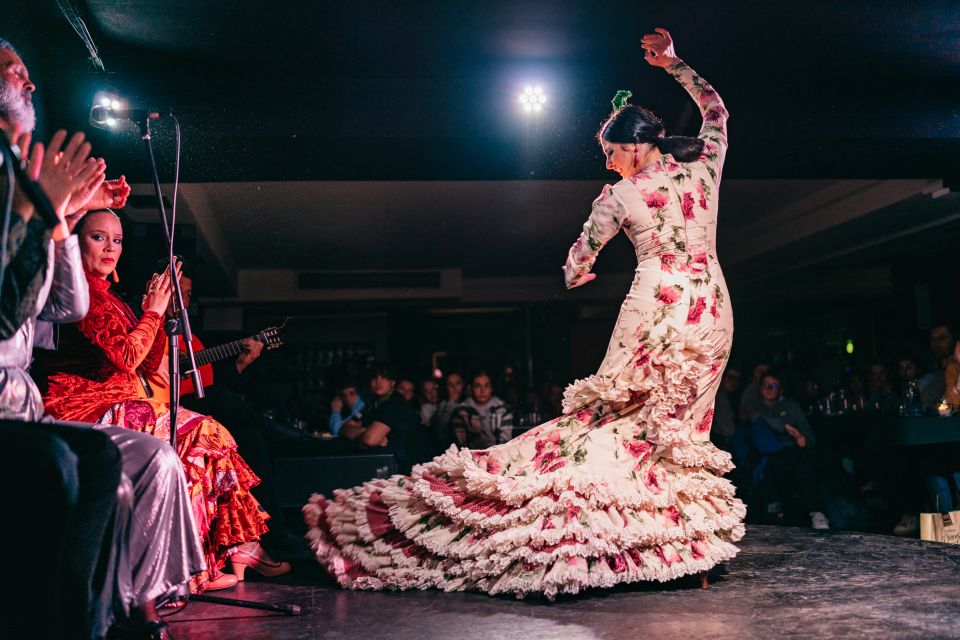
[[940, 527]]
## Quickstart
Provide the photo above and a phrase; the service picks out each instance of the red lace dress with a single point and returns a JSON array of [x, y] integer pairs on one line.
[[95, 377]]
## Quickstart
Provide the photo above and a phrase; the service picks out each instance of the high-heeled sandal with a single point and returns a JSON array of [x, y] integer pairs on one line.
[[241, 560], [223, 581]]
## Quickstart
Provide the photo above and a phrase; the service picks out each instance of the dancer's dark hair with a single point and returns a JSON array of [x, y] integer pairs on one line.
[[633, 124]]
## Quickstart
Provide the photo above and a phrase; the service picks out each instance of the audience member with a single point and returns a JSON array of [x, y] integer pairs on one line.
[[782, 434], [946, 361], [442, 418], [750, 399], [724, 416], [881, 396], [346, 406], [483, 419], [429, 400], [407, 389], [388, 425]]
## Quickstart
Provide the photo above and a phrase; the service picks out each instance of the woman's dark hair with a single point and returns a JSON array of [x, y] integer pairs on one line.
[[81, 223], [633, 124]]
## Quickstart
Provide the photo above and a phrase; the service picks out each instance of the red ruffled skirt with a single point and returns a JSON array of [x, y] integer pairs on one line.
[[218, 479]]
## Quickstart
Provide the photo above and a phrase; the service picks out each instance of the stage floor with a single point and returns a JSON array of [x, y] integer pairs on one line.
[[786, 583]]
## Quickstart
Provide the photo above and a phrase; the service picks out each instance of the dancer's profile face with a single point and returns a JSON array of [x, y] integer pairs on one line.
[[621, 158], [101, 243]]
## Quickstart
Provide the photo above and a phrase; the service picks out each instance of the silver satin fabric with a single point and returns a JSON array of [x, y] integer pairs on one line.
[[64, 297], [156, 546]]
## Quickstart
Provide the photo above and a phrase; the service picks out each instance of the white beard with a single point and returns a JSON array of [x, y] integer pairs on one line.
[[17, 108]]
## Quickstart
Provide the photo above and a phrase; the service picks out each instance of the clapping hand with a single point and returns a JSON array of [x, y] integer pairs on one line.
[[64, 174], [157, 296], [659, 47]]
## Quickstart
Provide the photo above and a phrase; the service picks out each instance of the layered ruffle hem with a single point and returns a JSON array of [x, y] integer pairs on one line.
[[624, 487]]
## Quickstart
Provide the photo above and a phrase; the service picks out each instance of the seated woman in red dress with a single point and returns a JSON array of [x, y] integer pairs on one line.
[[99, 375]]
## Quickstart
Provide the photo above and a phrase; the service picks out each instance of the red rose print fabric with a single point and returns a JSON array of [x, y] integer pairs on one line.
[[625, 486]]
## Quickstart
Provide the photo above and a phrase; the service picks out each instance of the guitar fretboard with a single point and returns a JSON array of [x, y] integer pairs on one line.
[[213, 354]]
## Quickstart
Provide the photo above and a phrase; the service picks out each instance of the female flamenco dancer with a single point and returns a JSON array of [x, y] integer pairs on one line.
[[625, 486], [95, 376]]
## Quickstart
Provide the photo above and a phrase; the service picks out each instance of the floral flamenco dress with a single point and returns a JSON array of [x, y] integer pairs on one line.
[[98, 374], [625, 486]]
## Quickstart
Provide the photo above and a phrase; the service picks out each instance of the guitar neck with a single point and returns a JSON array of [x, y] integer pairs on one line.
[[221, 352]]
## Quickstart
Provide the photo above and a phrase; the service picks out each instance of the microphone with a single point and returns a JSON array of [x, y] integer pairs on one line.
[[33, 191]]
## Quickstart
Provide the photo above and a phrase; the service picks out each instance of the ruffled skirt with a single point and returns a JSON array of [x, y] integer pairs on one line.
[[218, 479], [624, 487]]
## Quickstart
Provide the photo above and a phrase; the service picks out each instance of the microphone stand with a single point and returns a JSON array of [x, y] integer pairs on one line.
[[174, 327], [179, 324]]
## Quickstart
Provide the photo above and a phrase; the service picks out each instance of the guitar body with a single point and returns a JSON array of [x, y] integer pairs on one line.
[[206, 370]]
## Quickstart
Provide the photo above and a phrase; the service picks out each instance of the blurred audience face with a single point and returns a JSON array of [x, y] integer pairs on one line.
[[731, 380], [350, 396], [759, 370], [454, 387], [381, 385], [101, 243], [482, 389], [942, 342], [406, 389], [770, 389], [879, 377], [430, 391], [907, 369]]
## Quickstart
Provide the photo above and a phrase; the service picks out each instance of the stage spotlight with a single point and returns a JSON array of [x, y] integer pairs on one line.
[[533, 99], [104, 109]]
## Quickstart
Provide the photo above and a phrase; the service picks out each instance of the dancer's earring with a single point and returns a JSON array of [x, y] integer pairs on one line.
[[114, 276]]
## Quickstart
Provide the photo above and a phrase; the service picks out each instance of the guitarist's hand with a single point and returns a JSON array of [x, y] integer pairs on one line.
[[251, 351]]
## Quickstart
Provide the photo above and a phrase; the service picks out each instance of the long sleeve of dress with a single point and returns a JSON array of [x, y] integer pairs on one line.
[[157, 350], [714, 113], [24, 273], [604, 222], [105, 326], [69, 296]]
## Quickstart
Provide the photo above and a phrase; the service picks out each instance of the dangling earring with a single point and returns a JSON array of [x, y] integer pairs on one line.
[[114, 276]]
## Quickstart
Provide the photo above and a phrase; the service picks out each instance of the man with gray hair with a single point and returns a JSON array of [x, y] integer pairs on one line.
[[150, 548]]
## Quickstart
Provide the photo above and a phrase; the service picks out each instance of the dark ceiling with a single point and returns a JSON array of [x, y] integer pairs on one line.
[[393, 90]]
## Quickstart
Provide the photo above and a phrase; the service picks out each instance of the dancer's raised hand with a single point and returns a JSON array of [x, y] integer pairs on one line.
[[659, 48]]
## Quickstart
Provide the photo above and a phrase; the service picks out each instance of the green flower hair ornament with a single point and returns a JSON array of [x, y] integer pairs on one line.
[[620, 100]]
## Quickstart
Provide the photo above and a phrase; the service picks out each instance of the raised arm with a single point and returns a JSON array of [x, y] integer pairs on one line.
[[604, 223], [126, 349], [660, 53]]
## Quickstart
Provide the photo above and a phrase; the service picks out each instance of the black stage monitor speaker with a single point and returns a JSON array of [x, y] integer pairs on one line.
[[298, 478]]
